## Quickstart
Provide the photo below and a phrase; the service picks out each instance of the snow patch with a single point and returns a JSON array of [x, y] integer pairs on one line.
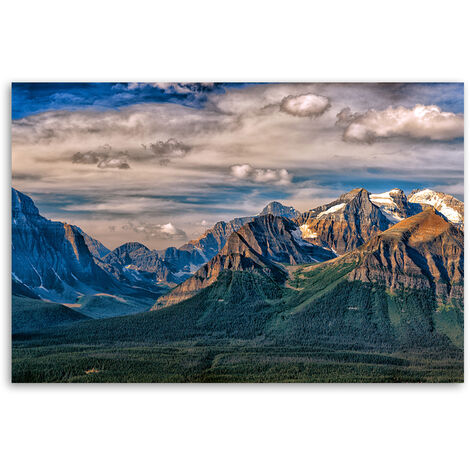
[[386, 204], [331, 210], [297, 234], [391, 216], [306, 232], [193, 268], [181, 273], [450, 214]]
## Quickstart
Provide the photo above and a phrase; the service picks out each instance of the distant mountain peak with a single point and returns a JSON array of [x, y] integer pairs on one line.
[[361, 192], [280, 210], [129, 247]]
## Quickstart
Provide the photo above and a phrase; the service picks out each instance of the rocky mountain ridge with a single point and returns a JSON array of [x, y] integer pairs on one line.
[[262, 245]]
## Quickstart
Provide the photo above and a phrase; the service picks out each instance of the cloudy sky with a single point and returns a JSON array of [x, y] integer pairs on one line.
[[160, 163]]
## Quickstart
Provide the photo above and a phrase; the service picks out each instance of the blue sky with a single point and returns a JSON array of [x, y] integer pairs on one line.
[[123, 160], [31, 98]]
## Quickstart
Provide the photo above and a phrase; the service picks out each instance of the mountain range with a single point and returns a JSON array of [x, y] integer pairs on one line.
[[382, 268], [402, 289], [261, 245]]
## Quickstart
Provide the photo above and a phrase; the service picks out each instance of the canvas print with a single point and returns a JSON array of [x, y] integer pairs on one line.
[[237, 232]]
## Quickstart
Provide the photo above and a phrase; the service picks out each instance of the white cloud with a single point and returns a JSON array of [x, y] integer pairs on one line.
[[307, 105], [261, 175], [169, 229], [242, 171], [159, 231], [419, 122]]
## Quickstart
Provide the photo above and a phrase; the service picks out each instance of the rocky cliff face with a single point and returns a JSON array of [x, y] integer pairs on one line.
[[345, 223], [97, 249], [51, 259], [261, 245], [423, 251], [450, 207]]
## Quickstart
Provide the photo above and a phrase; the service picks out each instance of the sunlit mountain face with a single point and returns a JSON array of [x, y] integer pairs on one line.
[[160, 163]]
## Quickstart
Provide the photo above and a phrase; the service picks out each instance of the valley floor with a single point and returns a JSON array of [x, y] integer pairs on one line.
[[244, 362]]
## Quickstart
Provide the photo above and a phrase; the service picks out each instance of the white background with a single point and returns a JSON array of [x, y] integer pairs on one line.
[[219, 426]]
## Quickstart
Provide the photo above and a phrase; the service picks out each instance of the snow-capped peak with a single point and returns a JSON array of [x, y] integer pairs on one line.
[[450, 207], [391, 203], [424, 194]]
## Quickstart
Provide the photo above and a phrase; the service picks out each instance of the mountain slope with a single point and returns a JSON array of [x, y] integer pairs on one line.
[[34, 314], [409, 279], [51, 258], [259, 246], [421, 251], [345, 223]]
